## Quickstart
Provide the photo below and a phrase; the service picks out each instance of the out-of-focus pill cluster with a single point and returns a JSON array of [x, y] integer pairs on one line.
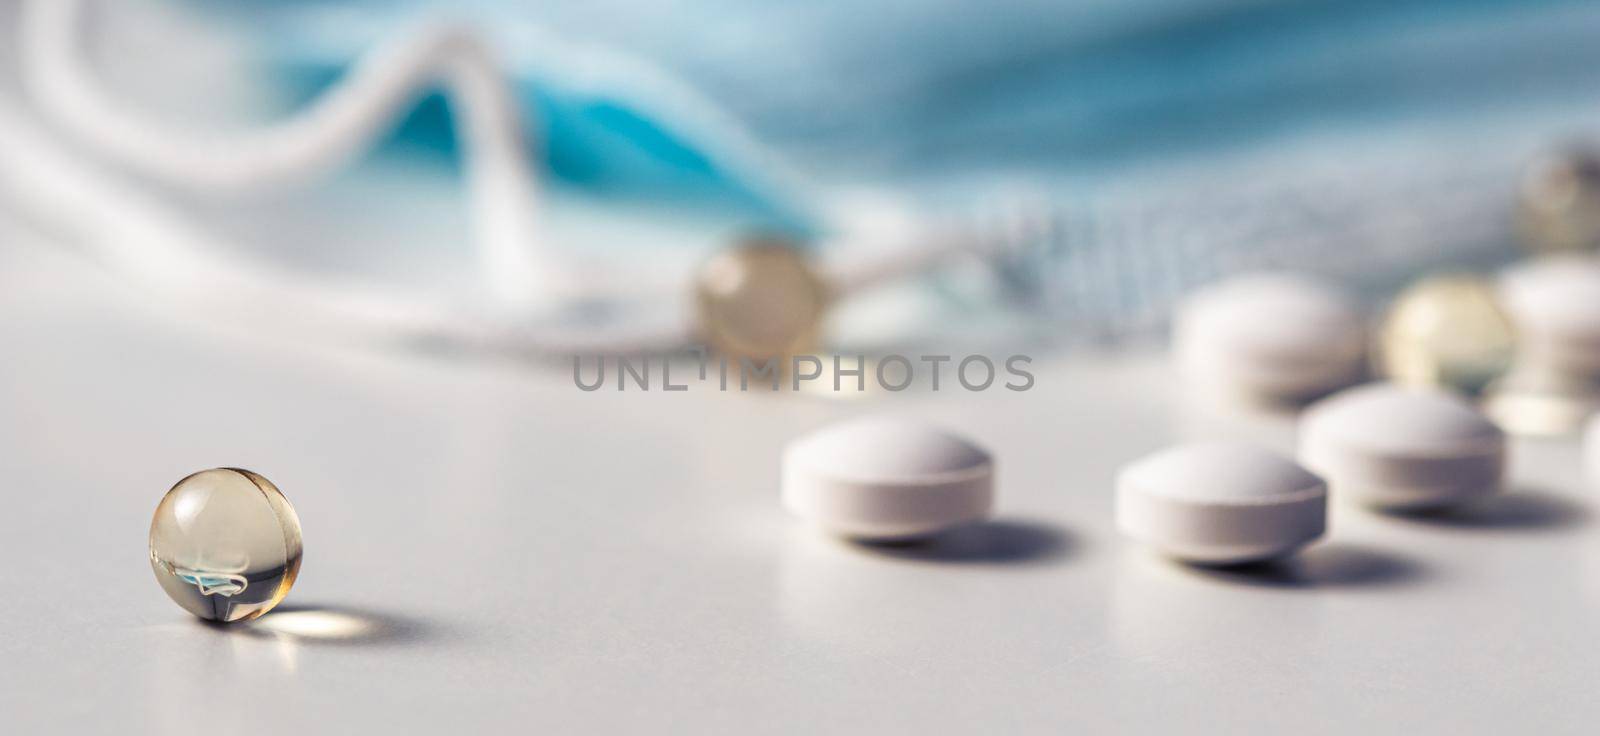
[[1526, 340], [1405, 410], [1459, 359]]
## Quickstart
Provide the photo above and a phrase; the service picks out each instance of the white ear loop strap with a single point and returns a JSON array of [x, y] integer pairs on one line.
[[139, 238], [521, 271], [525, 278]]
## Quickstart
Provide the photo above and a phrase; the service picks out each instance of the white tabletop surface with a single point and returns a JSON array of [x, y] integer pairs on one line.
[[489, 549]]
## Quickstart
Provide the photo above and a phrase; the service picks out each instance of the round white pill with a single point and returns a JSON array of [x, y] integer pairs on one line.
[[1397, 447], [885, 478], [1554, 303], [1220, 503], [1271, 336]]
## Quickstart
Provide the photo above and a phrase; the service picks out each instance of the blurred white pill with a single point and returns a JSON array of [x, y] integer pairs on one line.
[[1402, 447], [1220, 503], [885, 478], [1591, 449], [1554, 304], [1270, 336]]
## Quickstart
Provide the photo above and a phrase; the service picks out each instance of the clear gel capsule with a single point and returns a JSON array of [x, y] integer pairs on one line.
[[225, 544]]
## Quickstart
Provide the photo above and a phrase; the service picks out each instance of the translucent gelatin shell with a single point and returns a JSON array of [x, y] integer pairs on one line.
[[225, 544]]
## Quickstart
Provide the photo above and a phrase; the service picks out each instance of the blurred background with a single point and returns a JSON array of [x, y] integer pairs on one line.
[[1152, 145]]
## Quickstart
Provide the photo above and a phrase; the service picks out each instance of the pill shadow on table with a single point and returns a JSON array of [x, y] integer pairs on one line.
[[995, 542], [334, 626], [1520, 510], [1328, 565]]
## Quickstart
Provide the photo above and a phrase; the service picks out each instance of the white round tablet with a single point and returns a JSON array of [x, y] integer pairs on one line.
[[884, 478], [1402, 447], [1220, 503], [1554, 302], [1272, 336]]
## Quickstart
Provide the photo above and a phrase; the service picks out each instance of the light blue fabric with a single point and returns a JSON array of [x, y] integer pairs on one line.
[[903, 86], [1174, 140], [915, 93], [600, 143]]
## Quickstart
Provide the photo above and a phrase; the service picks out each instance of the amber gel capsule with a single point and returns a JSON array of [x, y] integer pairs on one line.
[[225, 544]]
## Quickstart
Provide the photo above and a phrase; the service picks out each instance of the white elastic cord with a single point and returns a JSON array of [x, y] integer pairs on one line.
[[140, 238], [521, 271], [526, 279]]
